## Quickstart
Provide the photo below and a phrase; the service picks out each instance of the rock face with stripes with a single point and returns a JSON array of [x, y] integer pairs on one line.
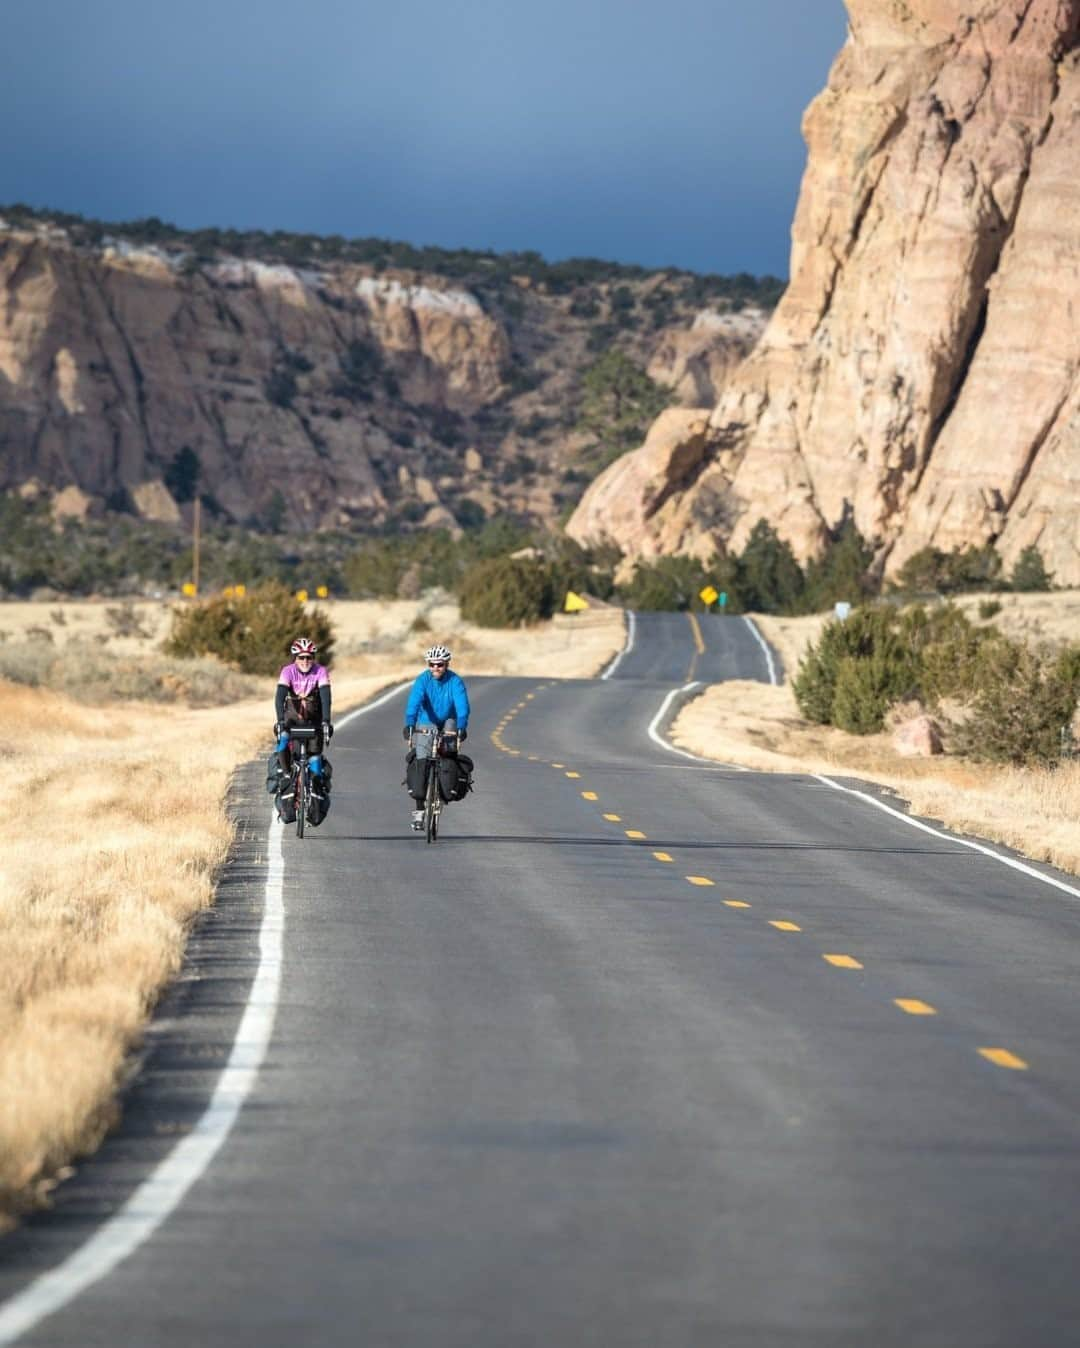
[[923, 368], [320, 392]]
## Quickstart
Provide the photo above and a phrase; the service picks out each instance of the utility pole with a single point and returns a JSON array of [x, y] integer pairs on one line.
[[196, 519]]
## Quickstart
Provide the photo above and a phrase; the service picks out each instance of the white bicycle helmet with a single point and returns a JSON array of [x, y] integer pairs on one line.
[[437, 653], [303, 646]]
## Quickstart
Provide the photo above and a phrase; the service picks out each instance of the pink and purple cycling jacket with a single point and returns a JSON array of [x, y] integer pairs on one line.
[[303, 684]]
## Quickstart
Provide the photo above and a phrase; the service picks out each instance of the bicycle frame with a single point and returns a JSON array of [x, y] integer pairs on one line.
[[301, 735]]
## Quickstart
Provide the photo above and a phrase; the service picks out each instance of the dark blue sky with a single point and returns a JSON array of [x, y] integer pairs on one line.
[[652, 133]]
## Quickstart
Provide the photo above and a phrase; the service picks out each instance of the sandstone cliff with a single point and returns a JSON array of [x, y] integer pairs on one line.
[[924, 364], [350, 395]]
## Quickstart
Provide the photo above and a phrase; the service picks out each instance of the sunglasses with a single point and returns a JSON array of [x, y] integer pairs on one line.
[[304, 657], [436, 664]]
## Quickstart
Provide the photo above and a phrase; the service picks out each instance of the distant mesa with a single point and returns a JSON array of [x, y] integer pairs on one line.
[[297, 382]]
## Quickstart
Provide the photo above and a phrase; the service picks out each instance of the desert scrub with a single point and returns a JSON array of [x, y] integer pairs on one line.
[[857, 669], [1022, 711], [506, 592], [251, 632], [1016, 703], [88, 672]]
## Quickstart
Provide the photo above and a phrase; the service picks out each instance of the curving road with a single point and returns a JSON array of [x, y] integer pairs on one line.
[[642, 1052]]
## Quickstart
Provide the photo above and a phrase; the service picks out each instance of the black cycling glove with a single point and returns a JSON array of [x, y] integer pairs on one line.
[[407, 733]]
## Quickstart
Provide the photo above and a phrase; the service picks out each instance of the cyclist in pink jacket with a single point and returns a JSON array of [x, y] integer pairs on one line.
[[302, 697]]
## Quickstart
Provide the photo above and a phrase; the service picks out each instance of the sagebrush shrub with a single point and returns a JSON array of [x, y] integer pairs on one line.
[[506, 592], [251, 632], [862, 694], [1021, 712], [866, 636], [948, 652]]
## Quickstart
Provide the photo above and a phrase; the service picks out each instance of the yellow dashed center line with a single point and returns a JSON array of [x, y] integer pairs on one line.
[[1001, 1057]]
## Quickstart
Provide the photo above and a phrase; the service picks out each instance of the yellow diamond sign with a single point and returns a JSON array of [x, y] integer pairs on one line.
[[709, 595], [574, 603]]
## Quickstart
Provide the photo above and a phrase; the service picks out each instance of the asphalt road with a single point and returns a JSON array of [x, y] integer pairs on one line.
[[683, 647], [641, 1052]]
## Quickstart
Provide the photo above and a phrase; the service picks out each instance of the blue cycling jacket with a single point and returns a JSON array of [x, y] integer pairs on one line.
[[434, 701]]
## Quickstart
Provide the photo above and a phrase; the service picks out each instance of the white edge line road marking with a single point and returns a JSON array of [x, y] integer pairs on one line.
[[684, 753], [765, 647], [631, 632], [164, 1189], [951, 837]]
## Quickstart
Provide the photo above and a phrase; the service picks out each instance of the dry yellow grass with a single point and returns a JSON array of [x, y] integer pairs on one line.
[[373, 636], [119, 845]]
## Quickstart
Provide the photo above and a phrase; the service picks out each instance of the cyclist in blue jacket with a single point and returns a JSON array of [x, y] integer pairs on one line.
[[438, 702]]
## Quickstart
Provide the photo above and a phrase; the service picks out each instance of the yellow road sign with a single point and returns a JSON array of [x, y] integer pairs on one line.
[[574, 603], [709, 595]]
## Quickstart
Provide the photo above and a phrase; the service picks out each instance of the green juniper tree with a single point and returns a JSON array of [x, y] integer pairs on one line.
[[1029, 572]]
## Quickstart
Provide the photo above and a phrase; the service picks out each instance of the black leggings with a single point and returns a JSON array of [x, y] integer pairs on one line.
[[315, 746]]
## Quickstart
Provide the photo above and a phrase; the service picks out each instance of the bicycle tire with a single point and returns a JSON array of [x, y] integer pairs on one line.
[[301, 800], [431, 827]]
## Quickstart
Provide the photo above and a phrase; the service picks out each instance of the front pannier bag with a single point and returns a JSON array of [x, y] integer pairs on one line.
[[455, 777], [416, 771]]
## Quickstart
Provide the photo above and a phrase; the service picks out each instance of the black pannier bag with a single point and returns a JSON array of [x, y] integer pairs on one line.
[[319, 799], [286, 804], [416, 771], [455, 777]]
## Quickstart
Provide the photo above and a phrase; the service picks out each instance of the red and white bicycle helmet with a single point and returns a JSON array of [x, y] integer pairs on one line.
[[303, 646], [437, 653]]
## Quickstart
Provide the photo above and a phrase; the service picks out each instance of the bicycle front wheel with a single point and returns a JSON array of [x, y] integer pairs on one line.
[[431, 818], [301, 800]]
